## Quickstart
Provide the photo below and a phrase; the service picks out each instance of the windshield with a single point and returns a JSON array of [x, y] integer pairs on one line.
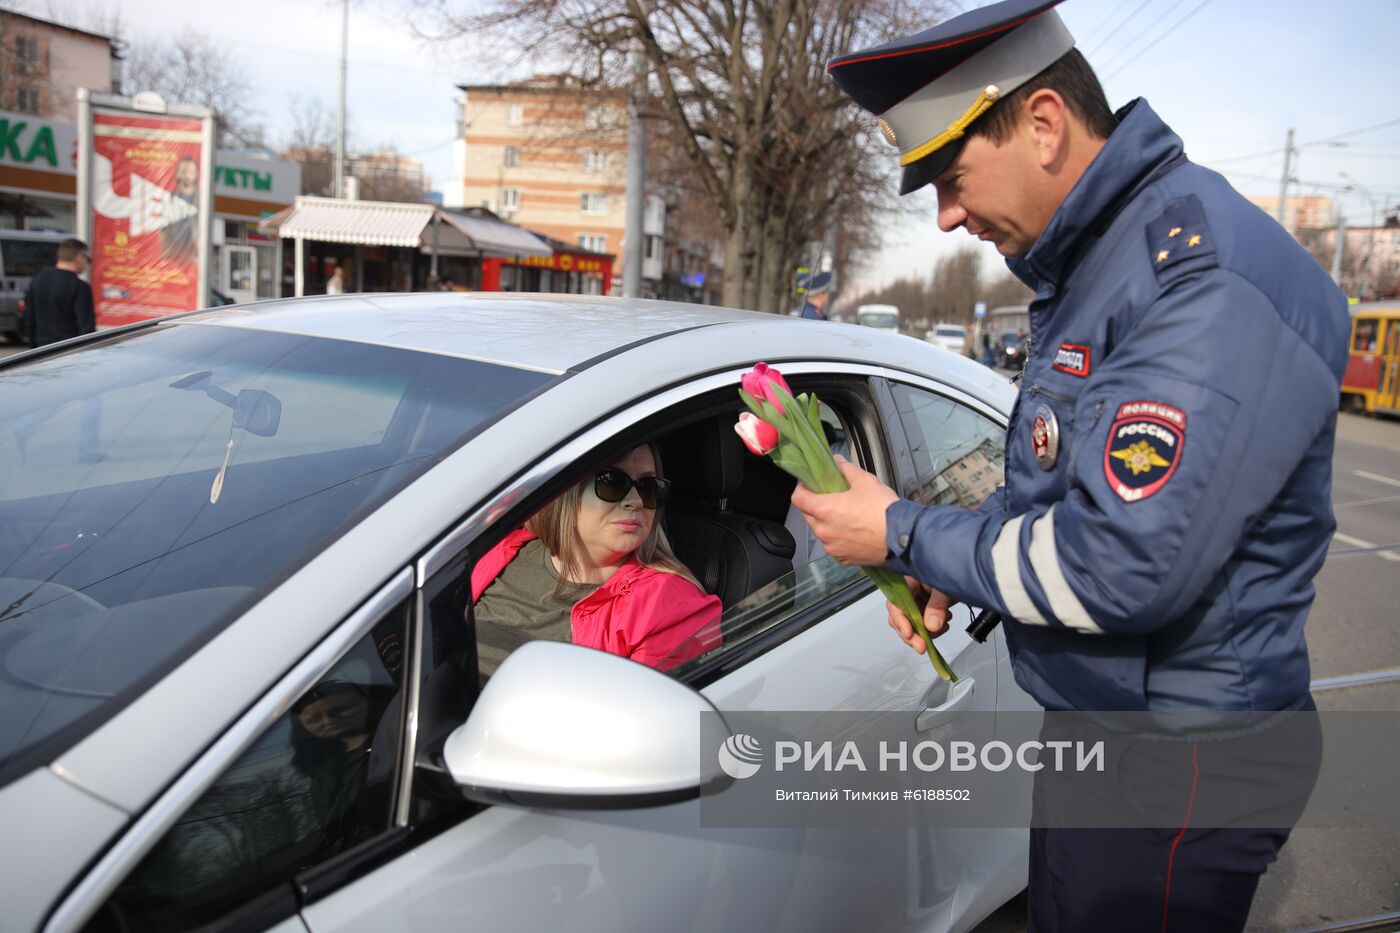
[[157, 484], [950, 332], [878, 319]]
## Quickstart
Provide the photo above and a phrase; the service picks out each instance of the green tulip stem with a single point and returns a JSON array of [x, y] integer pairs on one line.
[[803, 453]]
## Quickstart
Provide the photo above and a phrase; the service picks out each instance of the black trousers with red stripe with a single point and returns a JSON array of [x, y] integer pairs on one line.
[[1141, 880], [1199, 871]]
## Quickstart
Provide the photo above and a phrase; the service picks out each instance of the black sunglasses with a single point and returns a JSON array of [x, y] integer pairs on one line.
[[613, 484]]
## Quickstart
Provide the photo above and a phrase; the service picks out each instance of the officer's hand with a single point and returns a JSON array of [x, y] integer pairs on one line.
[[851, 524], [936, 606]]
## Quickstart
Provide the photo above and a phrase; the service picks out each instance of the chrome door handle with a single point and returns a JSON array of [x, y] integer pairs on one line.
[[958, 699]]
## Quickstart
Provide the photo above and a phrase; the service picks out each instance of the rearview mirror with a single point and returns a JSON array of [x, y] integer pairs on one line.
[[564, 726], [257, 412]]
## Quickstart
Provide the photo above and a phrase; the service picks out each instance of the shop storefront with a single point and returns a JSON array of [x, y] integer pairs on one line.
[[248, 189], [38, 191], [566, 269], [386, 246]]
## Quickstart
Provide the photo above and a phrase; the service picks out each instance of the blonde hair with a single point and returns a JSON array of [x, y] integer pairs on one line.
[[556, 525]]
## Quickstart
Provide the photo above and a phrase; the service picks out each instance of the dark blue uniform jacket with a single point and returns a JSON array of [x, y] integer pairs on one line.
[[1167, 493]]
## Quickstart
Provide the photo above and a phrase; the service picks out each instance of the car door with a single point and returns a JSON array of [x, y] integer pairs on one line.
[[511, 867]]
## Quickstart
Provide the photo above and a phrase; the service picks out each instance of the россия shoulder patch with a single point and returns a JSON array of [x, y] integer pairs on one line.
[[1143, 449], [1180, 241]]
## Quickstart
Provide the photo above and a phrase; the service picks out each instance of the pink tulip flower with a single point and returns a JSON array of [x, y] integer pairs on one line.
[[758, 436], [759, 383]]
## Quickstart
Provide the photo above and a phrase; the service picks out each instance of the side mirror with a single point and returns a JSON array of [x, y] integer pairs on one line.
[[569, 727]]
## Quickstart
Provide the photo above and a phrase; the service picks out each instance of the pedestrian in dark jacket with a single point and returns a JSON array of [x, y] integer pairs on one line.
[[58, 304], [1166, 498]]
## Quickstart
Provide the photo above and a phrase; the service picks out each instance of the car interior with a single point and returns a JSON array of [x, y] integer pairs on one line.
[[729, 518]]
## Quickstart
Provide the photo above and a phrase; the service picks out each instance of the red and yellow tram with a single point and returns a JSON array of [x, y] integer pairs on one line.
[[1372, 380]]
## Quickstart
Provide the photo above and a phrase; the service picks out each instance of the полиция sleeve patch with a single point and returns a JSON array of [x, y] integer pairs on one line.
[[1180, 241], [1143, 449]]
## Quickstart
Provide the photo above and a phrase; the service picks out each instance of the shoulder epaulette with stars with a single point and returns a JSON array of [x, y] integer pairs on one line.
[[1179, 242]]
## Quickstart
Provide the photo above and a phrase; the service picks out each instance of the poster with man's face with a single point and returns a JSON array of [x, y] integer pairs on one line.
[[147, 232]]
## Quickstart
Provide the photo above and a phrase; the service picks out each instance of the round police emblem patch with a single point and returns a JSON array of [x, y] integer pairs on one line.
[[1045, 437], [1144, 448]]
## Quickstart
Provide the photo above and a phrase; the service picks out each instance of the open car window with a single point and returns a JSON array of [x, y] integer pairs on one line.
[[771, 605]]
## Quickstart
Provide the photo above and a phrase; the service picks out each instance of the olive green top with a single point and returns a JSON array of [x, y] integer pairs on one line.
[[520, 606]]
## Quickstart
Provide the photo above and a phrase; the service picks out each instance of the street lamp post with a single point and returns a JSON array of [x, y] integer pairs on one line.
[[1354, 185]]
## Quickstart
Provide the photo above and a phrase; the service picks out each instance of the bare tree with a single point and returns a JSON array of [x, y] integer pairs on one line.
[[950, 293], [193, 69], [385, 175], [1006, 290], [310, 142], [23, 73], [741, 90]]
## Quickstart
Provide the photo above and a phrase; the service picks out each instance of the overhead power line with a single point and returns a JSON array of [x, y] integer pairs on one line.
[[1170, 29], [1365, 129], [1316, 142], [1115, 29], [1117, 55], [1098, 30]]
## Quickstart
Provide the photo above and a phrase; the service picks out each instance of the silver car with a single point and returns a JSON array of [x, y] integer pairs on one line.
[[236, 652], [948, 336]]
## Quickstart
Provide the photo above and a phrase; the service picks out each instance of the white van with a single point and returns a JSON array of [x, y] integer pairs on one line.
[[23, 255], [880, 317]]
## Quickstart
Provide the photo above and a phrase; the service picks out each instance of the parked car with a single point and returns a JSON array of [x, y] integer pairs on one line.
[[948, 336], [218, 525], [23, 255]]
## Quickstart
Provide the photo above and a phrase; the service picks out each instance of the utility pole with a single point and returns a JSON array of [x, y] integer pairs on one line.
[[340, 113], [1283, 185], [633, 249], [1337, 250]]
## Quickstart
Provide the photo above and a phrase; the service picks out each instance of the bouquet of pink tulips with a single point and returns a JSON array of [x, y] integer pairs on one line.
[[789, 430]]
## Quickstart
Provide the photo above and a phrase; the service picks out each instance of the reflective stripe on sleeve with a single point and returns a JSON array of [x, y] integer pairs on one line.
[[1044, 559], [1006, 564]]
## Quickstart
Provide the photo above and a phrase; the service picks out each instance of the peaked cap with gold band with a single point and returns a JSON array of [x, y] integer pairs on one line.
[[928, 88]]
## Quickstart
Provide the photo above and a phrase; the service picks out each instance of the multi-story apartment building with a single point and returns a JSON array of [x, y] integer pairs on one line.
[[42, 65], [1300, 211], [548, 155]]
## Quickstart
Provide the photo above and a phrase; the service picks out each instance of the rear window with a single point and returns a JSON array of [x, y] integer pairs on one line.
[[157, 484], [878, 319], [950, 332], [27, 258]]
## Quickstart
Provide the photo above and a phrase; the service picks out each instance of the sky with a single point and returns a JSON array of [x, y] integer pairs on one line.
[[1230, 76]]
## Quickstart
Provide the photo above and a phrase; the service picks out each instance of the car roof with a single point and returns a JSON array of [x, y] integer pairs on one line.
[[547, 333]]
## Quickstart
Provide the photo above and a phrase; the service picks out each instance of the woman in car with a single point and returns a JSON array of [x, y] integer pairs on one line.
[[594, 568]]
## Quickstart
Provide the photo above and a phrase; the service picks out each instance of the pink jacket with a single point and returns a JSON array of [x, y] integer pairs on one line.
[[639, 613]]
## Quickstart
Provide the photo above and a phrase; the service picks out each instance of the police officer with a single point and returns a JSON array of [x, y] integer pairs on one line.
[[1166, 497], [817, 297]]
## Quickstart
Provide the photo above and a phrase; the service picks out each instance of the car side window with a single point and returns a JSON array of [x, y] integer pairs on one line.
[[813, 578], [959, 455], [448, 687], [317, 783]]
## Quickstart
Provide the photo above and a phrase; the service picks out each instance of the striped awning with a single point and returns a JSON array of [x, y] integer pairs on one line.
[[368, 223], [496, 237], [384, 223]]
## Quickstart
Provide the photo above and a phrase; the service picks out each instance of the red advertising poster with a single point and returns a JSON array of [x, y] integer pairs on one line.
[[146, 227]]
